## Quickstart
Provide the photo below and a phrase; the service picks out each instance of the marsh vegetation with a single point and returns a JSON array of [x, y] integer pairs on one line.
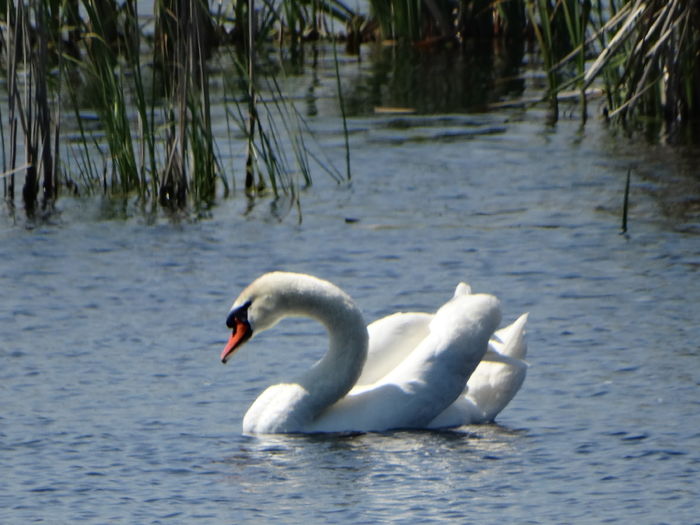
[[137, 85]]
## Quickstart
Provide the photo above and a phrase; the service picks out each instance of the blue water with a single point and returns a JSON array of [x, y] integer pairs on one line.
[[114, 407]]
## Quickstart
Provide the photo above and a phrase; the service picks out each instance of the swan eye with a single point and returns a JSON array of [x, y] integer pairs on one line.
[[239, 313]]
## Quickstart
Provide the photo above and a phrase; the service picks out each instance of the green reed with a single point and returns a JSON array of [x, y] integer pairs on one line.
[[539, 12], [191, 166], [105, 76], [155, 143]]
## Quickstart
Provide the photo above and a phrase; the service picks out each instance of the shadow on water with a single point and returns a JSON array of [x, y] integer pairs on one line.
[[453, 80]]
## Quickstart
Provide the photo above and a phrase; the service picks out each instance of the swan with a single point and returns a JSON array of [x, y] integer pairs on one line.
[[405, 371]]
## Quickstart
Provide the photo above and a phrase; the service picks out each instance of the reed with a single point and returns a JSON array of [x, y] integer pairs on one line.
[[155, 143], [191, 167], [271, 128], [625, 203], [432, 21], [106, 77], [539, 12], [646, 55], [652, 61], [252, 105], [576, 16], [341, 101], [31, 121]]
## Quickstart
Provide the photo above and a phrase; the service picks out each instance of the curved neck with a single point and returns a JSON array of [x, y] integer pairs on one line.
[[337, 371]]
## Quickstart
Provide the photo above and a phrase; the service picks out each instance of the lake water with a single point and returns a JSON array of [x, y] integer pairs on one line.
[[116, 409]]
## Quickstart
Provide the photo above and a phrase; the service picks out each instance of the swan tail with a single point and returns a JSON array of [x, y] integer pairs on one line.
[[511, 340], [495, 382]]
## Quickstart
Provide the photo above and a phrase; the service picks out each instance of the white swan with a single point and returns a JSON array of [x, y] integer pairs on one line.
[[405, 371]]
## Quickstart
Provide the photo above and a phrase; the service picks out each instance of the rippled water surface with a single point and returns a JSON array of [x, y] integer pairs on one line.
[[116, 409]]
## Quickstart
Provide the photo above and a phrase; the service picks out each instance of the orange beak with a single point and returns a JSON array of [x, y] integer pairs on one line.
[[241, 333]]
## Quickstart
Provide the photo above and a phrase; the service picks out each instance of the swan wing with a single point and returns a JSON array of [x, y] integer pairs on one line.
[[429, 379], [391, 338], [490, 388], [463, 411], [495, 381], [501, 372]]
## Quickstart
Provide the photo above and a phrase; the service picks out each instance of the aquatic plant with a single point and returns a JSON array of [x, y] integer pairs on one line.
[[142, 105], [434, 21], [645, 54], [651, 63], [152, 140], [29, 115], [625, 203]]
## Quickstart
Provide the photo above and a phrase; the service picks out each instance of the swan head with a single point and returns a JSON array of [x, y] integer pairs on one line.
[[260, 307], [249, 315], [242, 330]]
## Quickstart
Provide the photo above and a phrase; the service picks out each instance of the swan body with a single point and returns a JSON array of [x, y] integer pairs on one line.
[[404, 371]]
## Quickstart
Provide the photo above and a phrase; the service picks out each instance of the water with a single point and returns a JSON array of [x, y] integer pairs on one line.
[[116, 409]]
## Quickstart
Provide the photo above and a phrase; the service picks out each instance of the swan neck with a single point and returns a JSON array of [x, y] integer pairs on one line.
[[341, 365], [293, 407], [334, 375]]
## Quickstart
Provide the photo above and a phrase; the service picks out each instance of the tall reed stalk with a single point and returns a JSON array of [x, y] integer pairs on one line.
[[252, 105], [191, 166], [29, 112], [107, 78], [646, 54], [539, 11], [155, 142], [653, 60]]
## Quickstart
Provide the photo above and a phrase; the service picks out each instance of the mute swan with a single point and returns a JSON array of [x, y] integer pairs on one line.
[[405, 371]]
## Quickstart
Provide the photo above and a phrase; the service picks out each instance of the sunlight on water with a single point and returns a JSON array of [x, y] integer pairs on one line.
[[115, 407]]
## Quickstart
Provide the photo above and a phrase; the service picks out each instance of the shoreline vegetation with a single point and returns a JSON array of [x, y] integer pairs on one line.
[[136, 85]]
